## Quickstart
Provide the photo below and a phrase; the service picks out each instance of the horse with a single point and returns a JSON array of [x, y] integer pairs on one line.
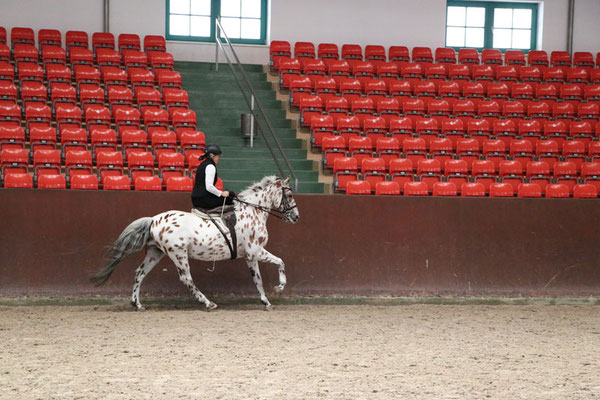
[[183, 235]]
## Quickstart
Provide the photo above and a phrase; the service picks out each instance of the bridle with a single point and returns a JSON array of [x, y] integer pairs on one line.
[[284, 208]]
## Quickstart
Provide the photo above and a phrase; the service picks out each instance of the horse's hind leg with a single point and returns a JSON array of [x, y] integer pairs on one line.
[[255, 271], [153, 256], [180, 260]]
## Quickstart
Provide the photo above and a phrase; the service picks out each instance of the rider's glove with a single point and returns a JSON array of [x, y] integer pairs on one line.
[[232, 195]]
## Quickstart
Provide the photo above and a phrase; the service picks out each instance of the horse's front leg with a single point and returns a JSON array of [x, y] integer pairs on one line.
[[255, 271], [264, 256]]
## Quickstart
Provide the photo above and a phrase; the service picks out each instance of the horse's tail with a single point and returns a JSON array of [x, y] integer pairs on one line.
[[132, 239]]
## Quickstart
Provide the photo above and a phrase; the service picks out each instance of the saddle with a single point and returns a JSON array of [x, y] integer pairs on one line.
[[229, 220]]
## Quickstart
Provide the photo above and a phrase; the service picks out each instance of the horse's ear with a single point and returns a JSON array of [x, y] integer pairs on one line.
[[287, 181]]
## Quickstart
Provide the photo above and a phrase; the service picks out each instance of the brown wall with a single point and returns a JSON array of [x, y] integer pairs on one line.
[[51, 242]]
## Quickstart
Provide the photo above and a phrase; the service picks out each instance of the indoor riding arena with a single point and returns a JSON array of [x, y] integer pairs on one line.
[[414, 186]]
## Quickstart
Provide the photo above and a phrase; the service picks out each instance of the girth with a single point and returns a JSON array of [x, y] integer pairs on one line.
[[229, 219]]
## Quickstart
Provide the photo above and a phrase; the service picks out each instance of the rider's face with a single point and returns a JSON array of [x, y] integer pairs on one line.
[[216, 158]]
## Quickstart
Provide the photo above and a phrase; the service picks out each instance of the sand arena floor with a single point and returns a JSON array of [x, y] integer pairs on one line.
[[301, 352]]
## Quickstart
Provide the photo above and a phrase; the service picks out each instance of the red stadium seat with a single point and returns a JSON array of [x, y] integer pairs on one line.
[[103, 39], [345, 170], [180, 184], [557, 190], [76, 39], [416, 189], [18, 180], [502, 190], [147, 183], [140, 163], [128, 41], [120, 182], [169, 165], [358, 188], [529, 190], [444, 189], [373, 170], [472, 190], [585, 191], [387, 188], [81, 55], [401, 171], [52, 181], [84, 182]]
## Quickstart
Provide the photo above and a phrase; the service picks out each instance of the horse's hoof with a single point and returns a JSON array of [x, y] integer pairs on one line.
[[140, 308], [278, 288], [268, 307], [211, 306]]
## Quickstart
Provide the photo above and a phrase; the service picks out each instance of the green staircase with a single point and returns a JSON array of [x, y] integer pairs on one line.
[[219, 103]]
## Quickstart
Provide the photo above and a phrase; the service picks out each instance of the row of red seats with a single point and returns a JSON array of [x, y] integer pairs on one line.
[[90, 182], [440, 108], [108, 162], [450, 91], [73, 137], [80, 55], [417, 148], [125, 117], [457, 171], [87, 74], [191, 143], [363, 70], [279, 50], [81, 39], [525, 190]]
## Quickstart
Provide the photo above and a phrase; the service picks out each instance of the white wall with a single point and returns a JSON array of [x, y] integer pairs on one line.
[[386, 22], [586, 34], [64, 15]]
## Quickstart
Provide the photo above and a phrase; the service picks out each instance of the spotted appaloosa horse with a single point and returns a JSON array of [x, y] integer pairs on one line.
[[182, 235]]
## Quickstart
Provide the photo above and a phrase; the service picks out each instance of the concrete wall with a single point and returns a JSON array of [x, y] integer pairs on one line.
[[51, 242], [391, 22]]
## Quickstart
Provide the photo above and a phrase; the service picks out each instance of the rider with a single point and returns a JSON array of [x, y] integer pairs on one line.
[[205, 195]]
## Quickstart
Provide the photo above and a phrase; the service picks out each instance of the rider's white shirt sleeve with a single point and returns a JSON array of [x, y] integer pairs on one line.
[[209, 178]]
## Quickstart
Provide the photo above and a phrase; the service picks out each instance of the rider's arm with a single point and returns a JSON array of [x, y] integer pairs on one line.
[[209, 179]]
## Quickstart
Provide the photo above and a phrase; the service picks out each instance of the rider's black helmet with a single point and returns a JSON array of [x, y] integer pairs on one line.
[[213, 149]]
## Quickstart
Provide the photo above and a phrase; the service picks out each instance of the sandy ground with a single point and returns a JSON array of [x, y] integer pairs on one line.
[[301, 352]]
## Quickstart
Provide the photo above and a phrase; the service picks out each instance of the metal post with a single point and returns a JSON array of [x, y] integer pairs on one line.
[[252, 121], [106, 19], [217, 47], [570, 25]]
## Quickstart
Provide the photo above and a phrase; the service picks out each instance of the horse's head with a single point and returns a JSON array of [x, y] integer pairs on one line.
[[284, 201]]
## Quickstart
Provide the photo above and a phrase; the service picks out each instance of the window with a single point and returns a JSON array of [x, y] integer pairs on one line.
[[485, 25], [244, 21]]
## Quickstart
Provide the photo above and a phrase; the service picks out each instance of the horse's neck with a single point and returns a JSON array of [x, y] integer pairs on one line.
[[263, 198]]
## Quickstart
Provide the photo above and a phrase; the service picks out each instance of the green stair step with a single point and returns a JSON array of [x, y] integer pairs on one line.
[[263, 164], [257, 153], [205, 123], [231, 103], [182, 66], [256, 175], [258, 142], [303, 187], [282, 133]]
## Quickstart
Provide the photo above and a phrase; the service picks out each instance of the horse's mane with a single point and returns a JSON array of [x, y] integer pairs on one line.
[[258, 186]]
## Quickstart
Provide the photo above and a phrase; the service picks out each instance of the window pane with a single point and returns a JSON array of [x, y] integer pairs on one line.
[[250, 9], [179, 25], [502, 38], [179, 6], [455, 37], [475, 16], [522, 19], [250, 28], [200, 26], [201, 7], [503, 18], [521, 39], [230, 8], [474, 37], [456, 16], [231, 27]]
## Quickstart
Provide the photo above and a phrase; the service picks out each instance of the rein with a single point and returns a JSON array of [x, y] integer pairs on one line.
[[283, 208]]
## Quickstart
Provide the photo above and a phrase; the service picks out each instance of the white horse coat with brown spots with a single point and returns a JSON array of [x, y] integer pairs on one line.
[[183, 235]]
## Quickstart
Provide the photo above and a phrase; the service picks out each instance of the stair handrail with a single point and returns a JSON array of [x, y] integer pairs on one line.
[[251, 100]]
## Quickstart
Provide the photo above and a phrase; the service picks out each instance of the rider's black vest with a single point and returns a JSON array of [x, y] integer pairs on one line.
[[200, 196]]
